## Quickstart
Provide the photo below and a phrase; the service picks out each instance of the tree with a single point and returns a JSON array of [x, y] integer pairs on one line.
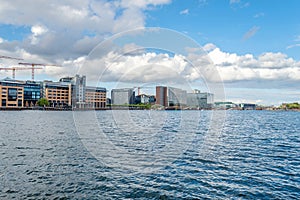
[[43, 102]]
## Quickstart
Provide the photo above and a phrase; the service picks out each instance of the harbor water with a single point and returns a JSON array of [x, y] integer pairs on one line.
[[149, 154]]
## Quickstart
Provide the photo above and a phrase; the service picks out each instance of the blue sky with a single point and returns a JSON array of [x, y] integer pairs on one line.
[[224, 24], [253, 44]]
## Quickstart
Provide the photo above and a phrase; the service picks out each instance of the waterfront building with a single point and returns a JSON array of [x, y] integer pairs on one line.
[[247, 106], [170, 96], [73, 92], [162, 95], [145, 99], [78, 91], [95, 97], [12, 93], [122, 96], [59, 94], [200, 100], [225, 105], [32, 93], [176, 97], [70, 92], [19, 94]]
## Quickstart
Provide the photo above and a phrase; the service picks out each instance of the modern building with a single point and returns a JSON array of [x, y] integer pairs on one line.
[[122, 96], [78, 91], [170, 96], [95, 97], [19, 94], [73, 92], [162, 95], [200, 100], [12, 93], [145, 99], [32, 93], [70, 92], [59, 94], [225, 105], [176, 97], [247, 106]]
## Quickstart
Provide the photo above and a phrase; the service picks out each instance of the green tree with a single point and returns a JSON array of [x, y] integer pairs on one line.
[[43, 102]]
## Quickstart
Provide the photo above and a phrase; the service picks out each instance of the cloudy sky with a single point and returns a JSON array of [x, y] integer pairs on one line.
[[251, 47]]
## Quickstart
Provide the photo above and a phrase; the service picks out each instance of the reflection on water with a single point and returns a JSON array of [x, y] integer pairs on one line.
[[149, 154]]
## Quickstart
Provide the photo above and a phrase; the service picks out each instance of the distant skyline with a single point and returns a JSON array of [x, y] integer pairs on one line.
[[253, 44]]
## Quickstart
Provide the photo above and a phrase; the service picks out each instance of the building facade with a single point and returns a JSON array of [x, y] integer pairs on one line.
[[176, 97], [145, 99], [122, 96], [73, 92], [32, 93], [95, 97], [198, 100], [70, 92], [12, 94], [58, 94], [162, 95]]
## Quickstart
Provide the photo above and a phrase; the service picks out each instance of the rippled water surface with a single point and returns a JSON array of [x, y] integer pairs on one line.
[[149, 155]]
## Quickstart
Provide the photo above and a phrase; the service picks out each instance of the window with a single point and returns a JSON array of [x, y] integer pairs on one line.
[[12, 94]]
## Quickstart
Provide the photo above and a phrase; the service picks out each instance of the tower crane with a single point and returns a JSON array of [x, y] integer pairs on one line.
[[33, 67], [8, 57], [13, 69], [139, 88]]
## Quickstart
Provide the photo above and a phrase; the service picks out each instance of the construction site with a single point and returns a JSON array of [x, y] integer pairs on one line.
[[67, 93]]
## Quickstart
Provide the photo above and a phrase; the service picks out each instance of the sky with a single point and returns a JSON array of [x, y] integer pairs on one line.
[[246, 50]]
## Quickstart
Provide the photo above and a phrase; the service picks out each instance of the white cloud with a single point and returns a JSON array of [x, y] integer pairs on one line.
[[37, 31], [267, 66], [297, 38], [234, 1], [66, 29], [258, 15], [251, 32], [209, 47], [184, 12], [292, 46], [1, 40]]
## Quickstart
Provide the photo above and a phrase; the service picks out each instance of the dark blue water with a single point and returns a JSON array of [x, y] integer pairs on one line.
[[149, 155]]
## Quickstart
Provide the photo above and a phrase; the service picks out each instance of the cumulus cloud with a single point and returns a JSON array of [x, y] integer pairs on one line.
[[37, 31], [251, 32], [267, 66], [66, 29]]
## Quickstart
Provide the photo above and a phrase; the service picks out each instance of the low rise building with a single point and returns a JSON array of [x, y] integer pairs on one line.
[[19, 94], [95, 97], [176, 97], [123, 96], [59, 94], [12, 94], [198, 100], [70, 92], [145, 99]]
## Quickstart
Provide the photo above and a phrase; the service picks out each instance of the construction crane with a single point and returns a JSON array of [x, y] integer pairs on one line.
[[12, 58], [13, 69], [33, 68], [139, 88]]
